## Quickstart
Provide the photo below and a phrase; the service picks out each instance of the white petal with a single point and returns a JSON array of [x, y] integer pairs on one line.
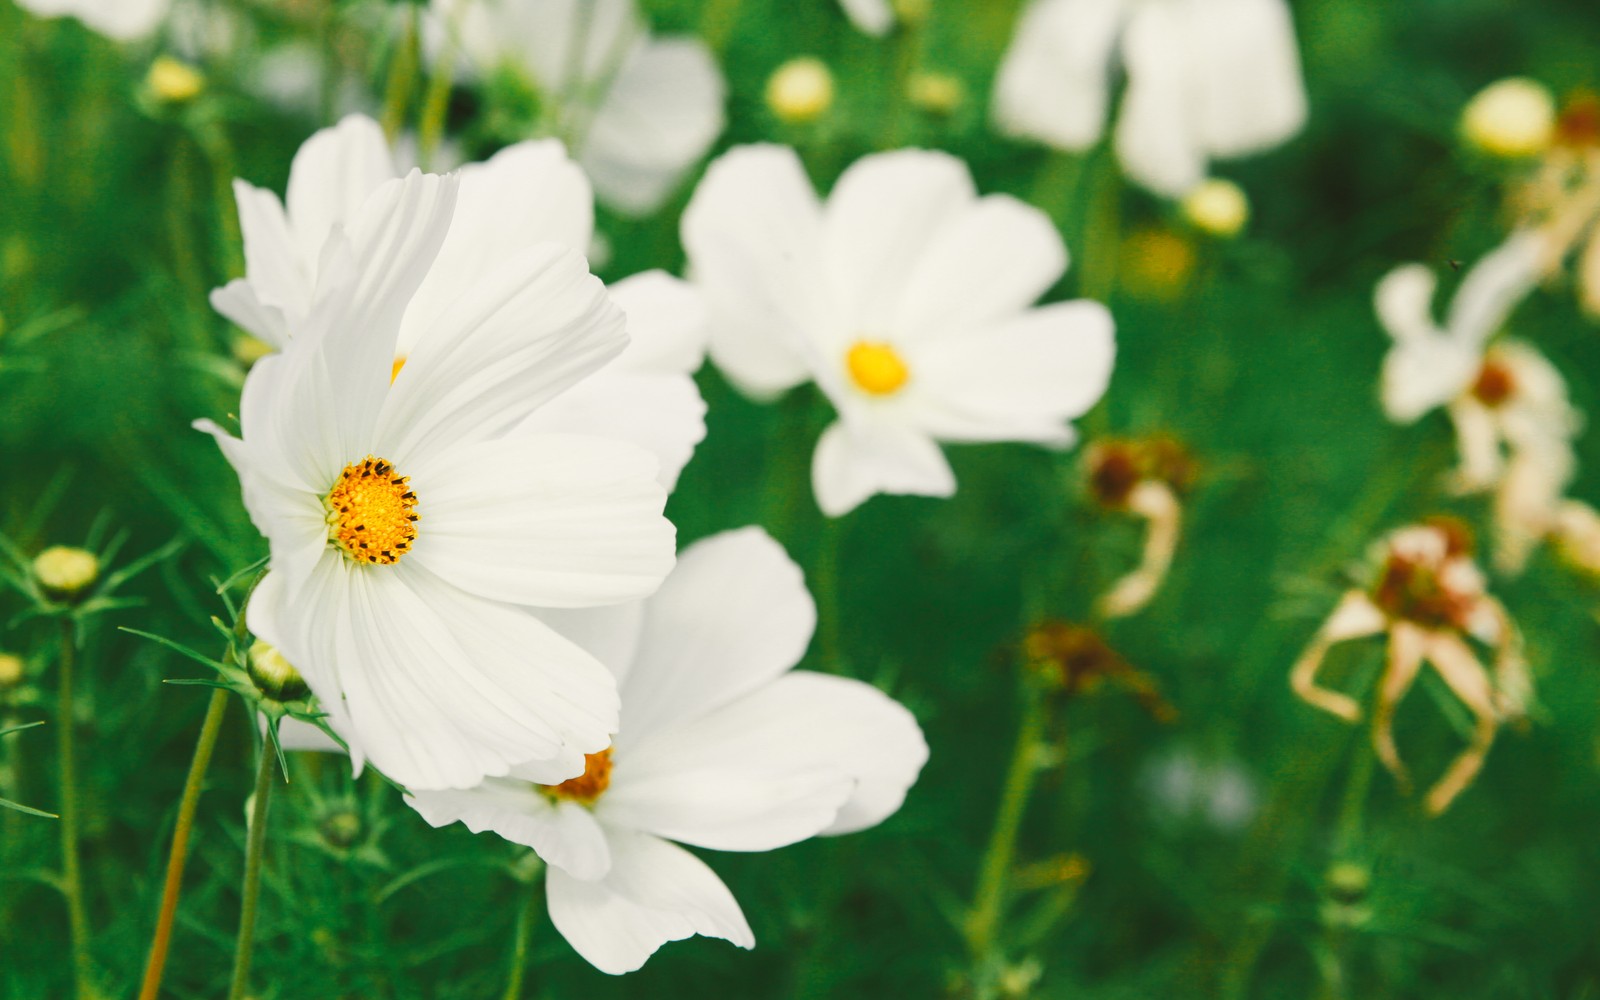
[[1251, 96], [734, 614], [1054, 81], [871, 736], [551, 520], [1155, 137], [564, 834], [668, 324], [610, 634], [660, 115], [1020, 381], [123, 20], [884, 212], [872, 16], [854, 463], [1494, 286], [518, 337], [655, 892], [1404, 303], [752, 233], [331, 176], [291, 518], [524, 195], [985, 265], [1421, 375], [438, 688], [662, 413], [278, 272], [237, 302]]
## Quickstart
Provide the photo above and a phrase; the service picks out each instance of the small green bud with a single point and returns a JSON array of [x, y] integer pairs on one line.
[[64, 572], [273, 675]]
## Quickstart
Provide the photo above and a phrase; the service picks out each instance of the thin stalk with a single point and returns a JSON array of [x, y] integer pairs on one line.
[[988, 903], [1102, 231], [827, 583], [527, 917], [435, 104], [1353, 810], [71, 874], [402, 76], [179, 854], [254, 854]]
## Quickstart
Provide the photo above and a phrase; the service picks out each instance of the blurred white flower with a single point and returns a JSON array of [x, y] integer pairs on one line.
[[637, 111], [1428, 598], [906, 298], [1185, 788], [722, 746], [1513, 117], [1207, 79], [412, 522], [123, 20], [875, 17], [527, 195]]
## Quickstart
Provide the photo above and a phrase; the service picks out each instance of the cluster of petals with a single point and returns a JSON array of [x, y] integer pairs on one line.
[[123, 20], [638, 111], [906, 298], [1428, 599], [1142, 478], [1514, 424], [722, 746], [427, 657], [1206, 79]]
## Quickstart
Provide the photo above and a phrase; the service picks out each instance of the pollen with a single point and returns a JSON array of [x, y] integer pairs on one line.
[[876, 368], [372, 512], [588, 786]]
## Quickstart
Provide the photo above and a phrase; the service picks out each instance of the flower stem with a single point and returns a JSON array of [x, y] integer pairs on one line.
[[71, 875], [402, 76], [179, 855], [717, 23], [827, 581], [988, 904], [526, 918], [254, 851]]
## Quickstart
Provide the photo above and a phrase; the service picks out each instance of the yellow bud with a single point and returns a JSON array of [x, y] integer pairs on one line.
[[1512, 117], [936, 93], [174, 82], [10, 670], [1156, 263], [801, 90], [273, 675], [65, 572], [1217, 207]]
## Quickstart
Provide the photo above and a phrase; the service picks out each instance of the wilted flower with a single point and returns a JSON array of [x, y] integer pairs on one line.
[[1147, 479], [1205, 81], [722, 746], [412, 525], [906, 298], [801, 90], [63, 572], [1513, 117], [123, 20], [637, 111], [1217, 208], [1074, 660], [1428, 597], [1559, 198]]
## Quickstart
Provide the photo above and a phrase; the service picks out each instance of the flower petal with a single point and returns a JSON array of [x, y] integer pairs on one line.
[[1404, 303], [855, 462], [564, 834], [872, 16], [1155, 136], [1055, 79], [655, 892], [668, 323], [238, 303], [277, 271], [661, 413], [331, 177], [1494, 286], [1247, 67]]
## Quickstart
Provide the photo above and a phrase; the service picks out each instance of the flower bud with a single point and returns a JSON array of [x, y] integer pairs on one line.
[[1217, 208], [273, 675], [801, 90], [935, 93], [174, 82], [1513, 117], [64, 572], [340, 829], [11, 670]]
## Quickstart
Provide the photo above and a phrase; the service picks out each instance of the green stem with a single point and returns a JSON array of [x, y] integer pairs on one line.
[[435, 104], [827, 580], [1102, 231], [988, 902], [253, 857], [71, 875], [1352, 811], [402, 75], [527, 917], [179, 855], [717, 23]]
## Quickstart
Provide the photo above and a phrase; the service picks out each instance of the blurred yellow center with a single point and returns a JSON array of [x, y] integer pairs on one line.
[[394, 372], [589, 785], [372, 513], [876, 368]]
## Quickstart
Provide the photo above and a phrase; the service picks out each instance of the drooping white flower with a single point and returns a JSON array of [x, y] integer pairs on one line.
[[123, 20], [412, 521], [1514, 424], [906, 298], [1207, 79], [524, 196], [722, 746], [637, 111]]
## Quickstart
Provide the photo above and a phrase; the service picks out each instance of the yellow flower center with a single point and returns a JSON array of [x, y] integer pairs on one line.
[[588, 786], [372, 513], [394, 372], [876, 368]]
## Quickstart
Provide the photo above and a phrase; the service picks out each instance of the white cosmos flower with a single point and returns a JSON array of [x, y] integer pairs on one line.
[[875, 17], [527, 194], [123, 20], [638, 111], [412, 525], [1206, 79], [906, 298], [722, 746]]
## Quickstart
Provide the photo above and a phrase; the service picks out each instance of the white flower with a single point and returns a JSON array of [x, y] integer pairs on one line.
[[123, 20], [906, 299], [875, 17], [722, 746], [637, 111], [525, 196], [1206, 79], [412, 525]]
